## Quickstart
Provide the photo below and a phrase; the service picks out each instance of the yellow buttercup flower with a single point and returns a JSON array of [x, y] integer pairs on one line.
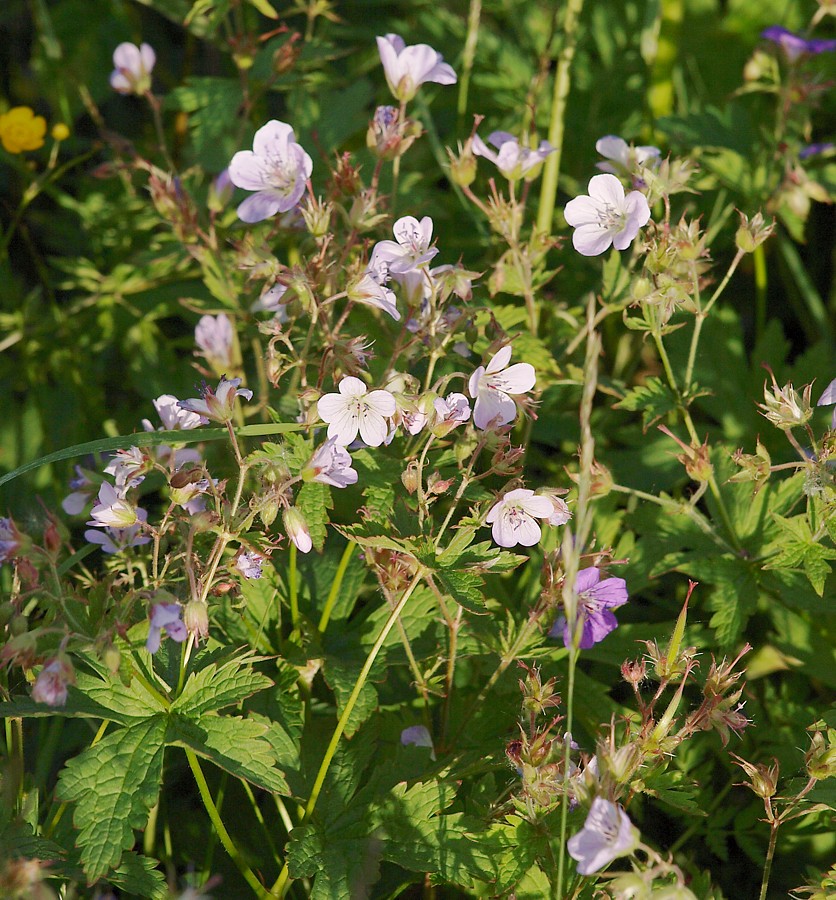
[[21, 129]]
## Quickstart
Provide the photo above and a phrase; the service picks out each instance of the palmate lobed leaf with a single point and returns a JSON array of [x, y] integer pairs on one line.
[[114, 784], [236, 745], [216, 687]]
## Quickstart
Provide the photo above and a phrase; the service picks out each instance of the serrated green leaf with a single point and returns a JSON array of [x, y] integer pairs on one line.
[[114, 784], [466, 588], [796, 549], [313, 500], [653, 398], [236, 745], [381, 480], [216, 687], [211, 104], [139, 876]]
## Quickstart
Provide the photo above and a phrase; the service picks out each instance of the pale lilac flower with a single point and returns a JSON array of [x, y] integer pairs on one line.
[[220, 192], [795, 46], [133, 65], [407, 68], [561, 513], [514, 518], [217, 405], [276, 168], [418, 736], [606, 216], [493, 388], [371, 290], [115, 540], [596, 599], [82, 490], [820, 147], [297, 529], [173, 416], [52, 682], [355, 409], [330, 464], [112, 509], [249, 563], [410, 249], [125, 466], [215, 340], [450, 411], [626, 159], [271, 301], [165, 616], [512, 159], [828, 398], [10, 540], [606, 835]]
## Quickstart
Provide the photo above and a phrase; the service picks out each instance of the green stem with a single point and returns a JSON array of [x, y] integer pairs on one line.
[[564, 808], [293, 587], [770, 853], [282, 884], [469, 53], [335, 587], [220, 828], [759, 259], [551, 169]]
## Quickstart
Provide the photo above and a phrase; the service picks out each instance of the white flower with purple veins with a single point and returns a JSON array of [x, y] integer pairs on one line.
[[828, 398], [513, 160], [173, 416], [330, 464], [125, 467], [626, 159], [112, 509], [277, 168], [452, 410], [218, 405], [249, 564], [165, 617], [356, 409], [494, 387], [215, 340], [297, 529], [514, 518], [407, 68], [607, 834], [606, 216], [372, 291], [410, 249], [115, 540], [132, 74], [596, 600]]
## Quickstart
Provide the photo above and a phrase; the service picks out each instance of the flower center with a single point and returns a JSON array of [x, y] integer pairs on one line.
[[279, 174], [610, 218]]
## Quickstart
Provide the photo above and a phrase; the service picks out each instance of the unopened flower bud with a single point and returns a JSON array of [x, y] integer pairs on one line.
[[755, 466], [296, 528], [269, 511], [462, 166], [752, 232], [673, 892], [821, 757], [220, 192], [411, 477], [196, 618], [19, 625], [630, 886], [317, 216], [112, 658], [7, 610], [53, 680], [60, 132]]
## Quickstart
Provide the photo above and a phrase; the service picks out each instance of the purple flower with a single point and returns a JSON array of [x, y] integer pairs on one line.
[[165, 616], [418, 736], [512, 159], [828, 398], [217, 405], [82, 490], [276, 168], [595, 600], [249, 564], [115, 540], [606, 216], [112, 509], [215, 340], [330, 464], [795, 46], [51, 684], [815, 149], [10, 542], [607, 833]]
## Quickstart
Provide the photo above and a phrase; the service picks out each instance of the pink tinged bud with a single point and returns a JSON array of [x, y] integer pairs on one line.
[[215, 339], [51, 684], [297, 529]]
